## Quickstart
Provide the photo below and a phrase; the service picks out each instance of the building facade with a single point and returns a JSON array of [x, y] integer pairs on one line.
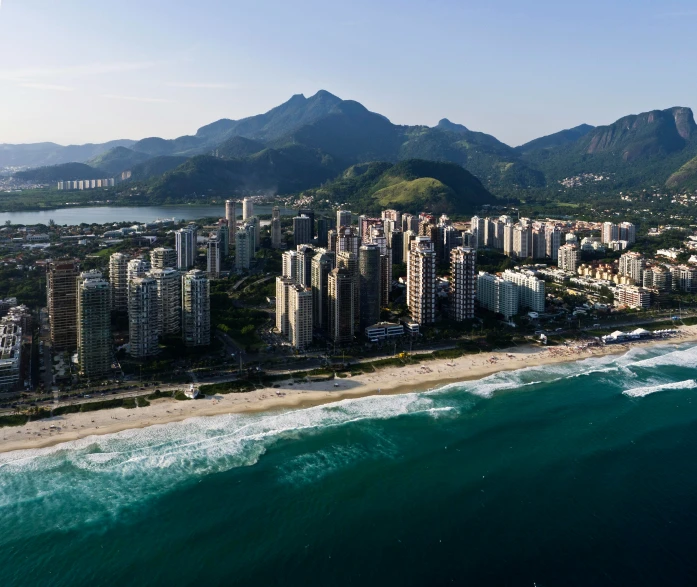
[[196, 309]]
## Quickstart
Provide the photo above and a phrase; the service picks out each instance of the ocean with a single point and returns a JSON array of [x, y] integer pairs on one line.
[[572, 474]]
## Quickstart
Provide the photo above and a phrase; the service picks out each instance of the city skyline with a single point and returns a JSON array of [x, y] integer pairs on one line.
[[169, 72]]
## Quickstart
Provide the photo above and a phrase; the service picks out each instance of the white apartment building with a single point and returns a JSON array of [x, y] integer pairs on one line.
[[185, 239], [497, 295], [142, 317], [569, 258], [633, 265], [632, 296], [93, 325], [169, 295], [247, 208], [118, 277], [300, 316], [531, 291]]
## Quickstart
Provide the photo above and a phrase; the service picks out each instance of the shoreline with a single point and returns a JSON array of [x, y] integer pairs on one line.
[[386, 381]]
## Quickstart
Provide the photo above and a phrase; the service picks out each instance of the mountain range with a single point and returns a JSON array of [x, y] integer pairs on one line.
[[307, 142]]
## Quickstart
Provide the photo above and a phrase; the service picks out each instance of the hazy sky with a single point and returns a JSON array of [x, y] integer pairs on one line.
[[75, 71]]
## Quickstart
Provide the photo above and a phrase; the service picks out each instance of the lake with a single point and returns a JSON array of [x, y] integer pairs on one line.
[[105, 214]]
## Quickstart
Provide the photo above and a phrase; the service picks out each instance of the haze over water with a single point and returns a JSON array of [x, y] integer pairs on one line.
[[572, 474]]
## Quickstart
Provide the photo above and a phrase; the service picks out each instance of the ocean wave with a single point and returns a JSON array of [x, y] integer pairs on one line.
[[649, 389]]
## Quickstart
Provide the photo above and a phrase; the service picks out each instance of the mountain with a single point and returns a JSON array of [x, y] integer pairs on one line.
[[156, 166], [637, 150], [238, 147], [118, 159], [45, 154], [62, 172], [286, 170], [413, 185], [557, 139]]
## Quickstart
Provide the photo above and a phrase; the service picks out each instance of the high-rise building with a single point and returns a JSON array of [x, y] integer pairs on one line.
[[421, 281], [118, 277], [552, 242], [11, 364], [341, 306], [142, 317], [451, 239], [569, 258], [214, 255], [365, 223], [610, 232], [243, 247], [310, 213], [396, 245], [477, 227], [463, 283], [632, 264], [247, 208], [276, 227], [497, 295], [304, 260], [137, 268], [186, 246], [343, 218], [300, 316], [410, 222], [322, 263], [324, 225], [531, 291], [385, 278], [302, 230], [409, 237], [508, 242], [627, 232], [162, 257], [658, 278], [369, 268], [394, 215], [231, 216], [522, 241], [169, 296], [196, 309], [349, 261], [346, 240], [289, 265], [93, 325], [62, 304], [223, 237], [283, 285], [539, 243], [256, 223], [632, 297]]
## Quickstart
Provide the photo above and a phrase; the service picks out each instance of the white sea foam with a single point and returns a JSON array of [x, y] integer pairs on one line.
[[649, 389]]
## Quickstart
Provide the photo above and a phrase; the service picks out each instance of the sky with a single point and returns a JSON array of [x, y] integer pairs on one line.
[[78, 71]]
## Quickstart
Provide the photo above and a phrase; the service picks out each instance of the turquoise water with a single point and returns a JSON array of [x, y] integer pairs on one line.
[[575, 474]]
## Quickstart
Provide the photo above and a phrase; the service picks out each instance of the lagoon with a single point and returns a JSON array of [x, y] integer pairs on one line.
[[105, 214]]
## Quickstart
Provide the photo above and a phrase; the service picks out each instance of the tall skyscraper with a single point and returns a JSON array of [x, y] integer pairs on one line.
[[305, 254], [341, 306], [142, 317], [162, 257], [522, 241], [302, 230], [169, 299], [385, 278], [343, 218], [196, 309], [243, 247], [93, 325], [349, 261], [289, 265], [310, 213], [300, 316], [409, 237], [632, 264], [118, 277], [369, 276], [186, 247], [223, 237], [627, 232], [214, 255], [247, 208], [283, 285], [62, 304], [137, 268], [322, 263], [397, 246], [463, 283], [552, 241], [477, 226], [421, 281], [324, 225], [231, 216], [610, 232], [276, 235], [254, 220]]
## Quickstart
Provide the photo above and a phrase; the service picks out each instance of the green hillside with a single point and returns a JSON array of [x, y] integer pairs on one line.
[[412, 186], [118, 159], [685, 177], [156, 167], [63, 172]]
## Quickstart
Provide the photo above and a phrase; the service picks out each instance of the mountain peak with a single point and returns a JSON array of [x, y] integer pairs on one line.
[[445, 124]]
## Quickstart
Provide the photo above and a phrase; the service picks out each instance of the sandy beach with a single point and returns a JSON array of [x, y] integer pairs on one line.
[[390, 380]]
